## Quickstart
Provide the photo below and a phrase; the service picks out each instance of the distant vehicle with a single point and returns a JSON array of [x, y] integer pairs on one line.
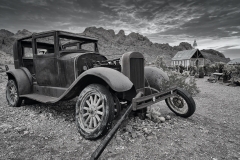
[[55, 66]]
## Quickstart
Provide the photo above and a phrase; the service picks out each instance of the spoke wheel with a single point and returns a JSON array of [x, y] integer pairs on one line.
[[94, 111], [12, 94], [181, 104]]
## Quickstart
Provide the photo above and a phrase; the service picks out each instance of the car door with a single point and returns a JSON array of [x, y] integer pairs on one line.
[[45, 61]]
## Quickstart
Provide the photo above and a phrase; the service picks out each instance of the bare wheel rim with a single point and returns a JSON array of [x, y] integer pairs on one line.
[[12, 94], [178, 104], [92, 112]]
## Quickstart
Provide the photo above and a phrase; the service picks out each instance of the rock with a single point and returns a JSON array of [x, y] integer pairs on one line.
[[20, 129], [154, 133], [125, 134], [162, 119], [167, 117], [146, 130], [150, 137], [129, 128], [119, 147], [25, 132], [118, 138], [134, 135], [5, 126]]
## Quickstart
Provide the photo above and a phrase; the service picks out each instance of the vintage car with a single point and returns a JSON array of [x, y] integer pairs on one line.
[[55, 66]]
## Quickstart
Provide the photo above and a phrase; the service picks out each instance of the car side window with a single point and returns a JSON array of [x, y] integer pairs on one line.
[[45, 45], [27, 52], [88, 47]]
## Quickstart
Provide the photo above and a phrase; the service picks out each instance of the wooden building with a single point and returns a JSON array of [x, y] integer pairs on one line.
[[188, 58]]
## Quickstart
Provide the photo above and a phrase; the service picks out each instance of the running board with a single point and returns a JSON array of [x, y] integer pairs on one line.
[[40, 98]]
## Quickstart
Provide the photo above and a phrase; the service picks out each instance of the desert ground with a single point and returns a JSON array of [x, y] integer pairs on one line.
[[48, 131]]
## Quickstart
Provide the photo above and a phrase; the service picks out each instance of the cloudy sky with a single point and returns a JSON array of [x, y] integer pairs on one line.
[[214, 24]]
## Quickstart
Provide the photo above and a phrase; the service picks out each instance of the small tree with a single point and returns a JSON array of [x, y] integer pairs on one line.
[[160, 63]]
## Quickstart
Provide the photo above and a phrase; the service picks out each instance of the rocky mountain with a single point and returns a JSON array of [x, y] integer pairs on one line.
[[22, 33], [114, 45], [214, 56], [5, 33], [7, 39]]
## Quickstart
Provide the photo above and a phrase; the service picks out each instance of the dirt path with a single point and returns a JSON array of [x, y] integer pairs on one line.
[[49, 132]]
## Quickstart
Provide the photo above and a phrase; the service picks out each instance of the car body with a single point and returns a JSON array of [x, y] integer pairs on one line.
[[56, 65]]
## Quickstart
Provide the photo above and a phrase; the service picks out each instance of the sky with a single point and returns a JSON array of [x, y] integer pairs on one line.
[[215, 24]]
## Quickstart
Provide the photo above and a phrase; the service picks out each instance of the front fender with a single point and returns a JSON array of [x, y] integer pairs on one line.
[[154, 77], [115, 79], [23, 79]]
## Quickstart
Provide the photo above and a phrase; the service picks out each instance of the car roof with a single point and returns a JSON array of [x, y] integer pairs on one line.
[[62, 34]]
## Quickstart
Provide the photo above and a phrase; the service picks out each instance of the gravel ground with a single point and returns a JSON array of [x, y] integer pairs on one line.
[[48, 131]]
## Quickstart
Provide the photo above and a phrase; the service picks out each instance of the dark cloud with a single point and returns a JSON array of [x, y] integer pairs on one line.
[[220, 19], [174, 20]]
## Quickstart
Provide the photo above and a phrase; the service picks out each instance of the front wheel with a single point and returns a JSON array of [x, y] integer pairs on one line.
[[181, 104], [94, 111], [12, 94]]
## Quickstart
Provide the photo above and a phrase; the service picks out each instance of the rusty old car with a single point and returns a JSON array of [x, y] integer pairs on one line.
[[55, 66]]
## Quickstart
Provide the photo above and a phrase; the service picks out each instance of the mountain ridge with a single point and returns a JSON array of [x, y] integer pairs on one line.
[[114, 44]]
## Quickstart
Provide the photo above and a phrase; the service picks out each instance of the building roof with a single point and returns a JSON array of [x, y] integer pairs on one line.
[[186, 54], [234, 61]]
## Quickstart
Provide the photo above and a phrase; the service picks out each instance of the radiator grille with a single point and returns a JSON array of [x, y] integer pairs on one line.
[[137, 72]]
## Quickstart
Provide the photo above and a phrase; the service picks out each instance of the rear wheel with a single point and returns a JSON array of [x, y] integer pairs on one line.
[[181, 104], [94, 111], [12, 94]]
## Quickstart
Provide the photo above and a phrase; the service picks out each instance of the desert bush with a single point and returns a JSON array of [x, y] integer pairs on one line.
[[206, 69], [193, 70], [220, 66], [181, 80], [213, 68], [232, 72], [177, 79], [216, 67], [227, 71]]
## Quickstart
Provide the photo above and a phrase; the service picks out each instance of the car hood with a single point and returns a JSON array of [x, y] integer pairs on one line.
[[73, 54]]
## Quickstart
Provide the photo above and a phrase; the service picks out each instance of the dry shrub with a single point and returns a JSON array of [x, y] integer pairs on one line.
[[233, 71], [183, 81]]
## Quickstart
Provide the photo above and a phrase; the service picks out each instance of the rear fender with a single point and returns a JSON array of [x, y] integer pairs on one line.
[[23, 79], [154, 77]]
